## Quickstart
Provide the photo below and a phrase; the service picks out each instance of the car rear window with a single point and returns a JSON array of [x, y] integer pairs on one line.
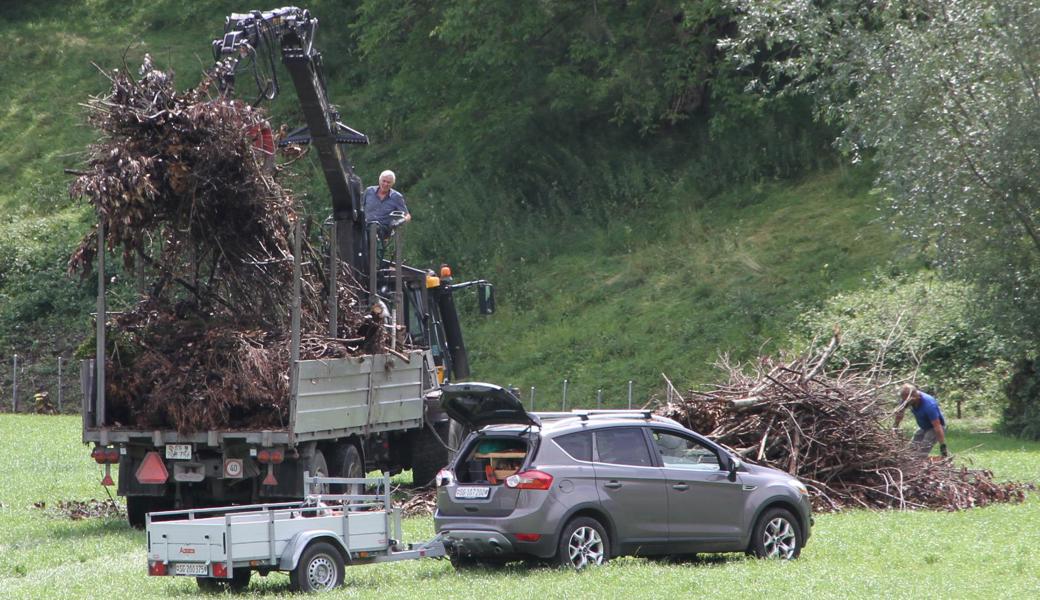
[[623, 446], [577, 445]]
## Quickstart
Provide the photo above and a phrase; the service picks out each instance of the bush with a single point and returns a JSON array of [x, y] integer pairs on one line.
[[924, 328]]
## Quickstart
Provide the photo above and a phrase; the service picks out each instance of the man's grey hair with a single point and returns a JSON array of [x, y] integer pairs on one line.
[[390, 174]]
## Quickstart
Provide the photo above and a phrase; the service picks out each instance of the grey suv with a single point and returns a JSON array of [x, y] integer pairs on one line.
[[579, 488]]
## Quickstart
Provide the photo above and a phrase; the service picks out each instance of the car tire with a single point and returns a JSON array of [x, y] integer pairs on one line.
[[583, 542], [320, 569], [778, 535]]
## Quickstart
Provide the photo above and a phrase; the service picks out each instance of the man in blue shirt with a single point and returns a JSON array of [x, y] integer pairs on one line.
[[382, 200], [930, 421]]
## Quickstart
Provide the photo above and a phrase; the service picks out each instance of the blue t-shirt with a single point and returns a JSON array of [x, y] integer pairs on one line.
[[927, 411], [379, 209]]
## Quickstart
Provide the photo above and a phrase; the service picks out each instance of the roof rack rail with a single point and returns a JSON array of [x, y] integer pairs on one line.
[[584, 414]]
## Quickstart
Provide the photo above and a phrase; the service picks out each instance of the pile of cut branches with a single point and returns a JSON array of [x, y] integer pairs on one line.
[[191, 199], [833, 432]]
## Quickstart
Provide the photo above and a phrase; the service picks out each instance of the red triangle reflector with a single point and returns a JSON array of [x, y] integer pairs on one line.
[[270, 480], [152, 469], [107, 481]]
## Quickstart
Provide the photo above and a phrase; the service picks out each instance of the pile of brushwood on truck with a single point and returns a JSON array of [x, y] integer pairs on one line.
[[264, 343]]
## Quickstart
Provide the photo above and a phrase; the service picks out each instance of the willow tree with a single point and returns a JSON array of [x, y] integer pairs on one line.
[[945, 94]]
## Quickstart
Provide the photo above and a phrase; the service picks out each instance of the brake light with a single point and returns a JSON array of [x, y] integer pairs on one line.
[[528, 537], [530, 480], [152, 469], [157, 568], [444, 477], [264, 456], [220, 570]]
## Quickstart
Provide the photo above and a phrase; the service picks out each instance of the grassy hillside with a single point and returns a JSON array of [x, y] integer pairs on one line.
[[661, 274], [634, 299]]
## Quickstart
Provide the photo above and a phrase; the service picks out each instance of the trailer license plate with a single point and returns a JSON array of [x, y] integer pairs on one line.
[[178, 451], [190, 569], [472, 492]]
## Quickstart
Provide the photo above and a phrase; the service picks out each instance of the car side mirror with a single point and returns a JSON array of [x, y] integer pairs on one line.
[[486, 298], [734, 466]]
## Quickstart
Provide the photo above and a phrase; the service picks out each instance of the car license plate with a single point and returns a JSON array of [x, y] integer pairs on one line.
[[190, 569], [178, 451], [481, 491]]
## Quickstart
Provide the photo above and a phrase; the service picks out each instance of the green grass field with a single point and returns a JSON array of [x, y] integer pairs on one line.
[[982, 553]]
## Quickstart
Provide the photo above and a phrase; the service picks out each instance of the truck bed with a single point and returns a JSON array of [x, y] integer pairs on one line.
[[334, 398]]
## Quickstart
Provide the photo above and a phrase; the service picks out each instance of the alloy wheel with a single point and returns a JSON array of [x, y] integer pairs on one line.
[[779, 539], [585, 547]]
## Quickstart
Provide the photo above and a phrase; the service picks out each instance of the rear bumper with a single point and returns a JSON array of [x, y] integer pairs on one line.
[[496, 537]]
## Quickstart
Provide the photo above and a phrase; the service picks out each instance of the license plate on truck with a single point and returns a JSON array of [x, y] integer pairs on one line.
[[190, 569], [178, 451], [473, 491]]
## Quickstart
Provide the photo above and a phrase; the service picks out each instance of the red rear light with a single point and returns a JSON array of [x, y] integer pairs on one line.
[[528, 537], [277, 456], [156, 568], [220, 570], [152, 469], [112, 455], [98, 454], [530, 480], [264, 456]]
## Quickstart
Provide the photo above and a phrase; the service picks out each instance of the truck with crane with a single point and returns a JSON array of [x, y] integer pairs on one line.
[[347, 416]]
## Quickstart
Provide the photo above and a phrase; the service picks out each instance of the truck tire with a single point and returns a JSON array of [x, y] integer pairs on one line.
[[139, 506], [347, 462], [317, 467], [457, 434], [428, 454], [320, 569]]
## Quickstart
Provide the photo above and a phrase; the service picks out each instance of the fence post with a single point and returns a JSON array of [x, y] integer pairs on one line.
[[564, 409], [14, 385], [532, 398], [630, 394], [599, 398], [60, 395]]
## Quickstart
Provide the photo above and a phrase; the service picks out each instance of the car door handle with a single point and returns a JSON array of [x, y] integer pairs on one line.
[[682, 487], [612, 485]]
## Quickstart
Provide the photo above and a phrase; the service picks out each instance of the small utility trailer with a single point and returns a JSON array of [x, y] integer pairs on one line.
[[312, 539]]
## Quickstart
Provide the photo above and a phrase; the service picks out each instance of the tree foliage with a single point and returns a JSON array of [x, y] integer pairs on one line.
[[947, 92], [923, 329]]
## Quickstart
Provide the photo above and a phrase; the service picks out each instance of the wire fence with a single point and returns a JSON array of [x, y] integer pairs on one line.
[[52, 385], [568, 396], [48, 384]]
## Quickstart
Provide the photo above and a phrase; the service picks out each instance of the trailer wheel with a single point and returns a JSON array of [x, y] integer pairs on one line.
[[320, 569]]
